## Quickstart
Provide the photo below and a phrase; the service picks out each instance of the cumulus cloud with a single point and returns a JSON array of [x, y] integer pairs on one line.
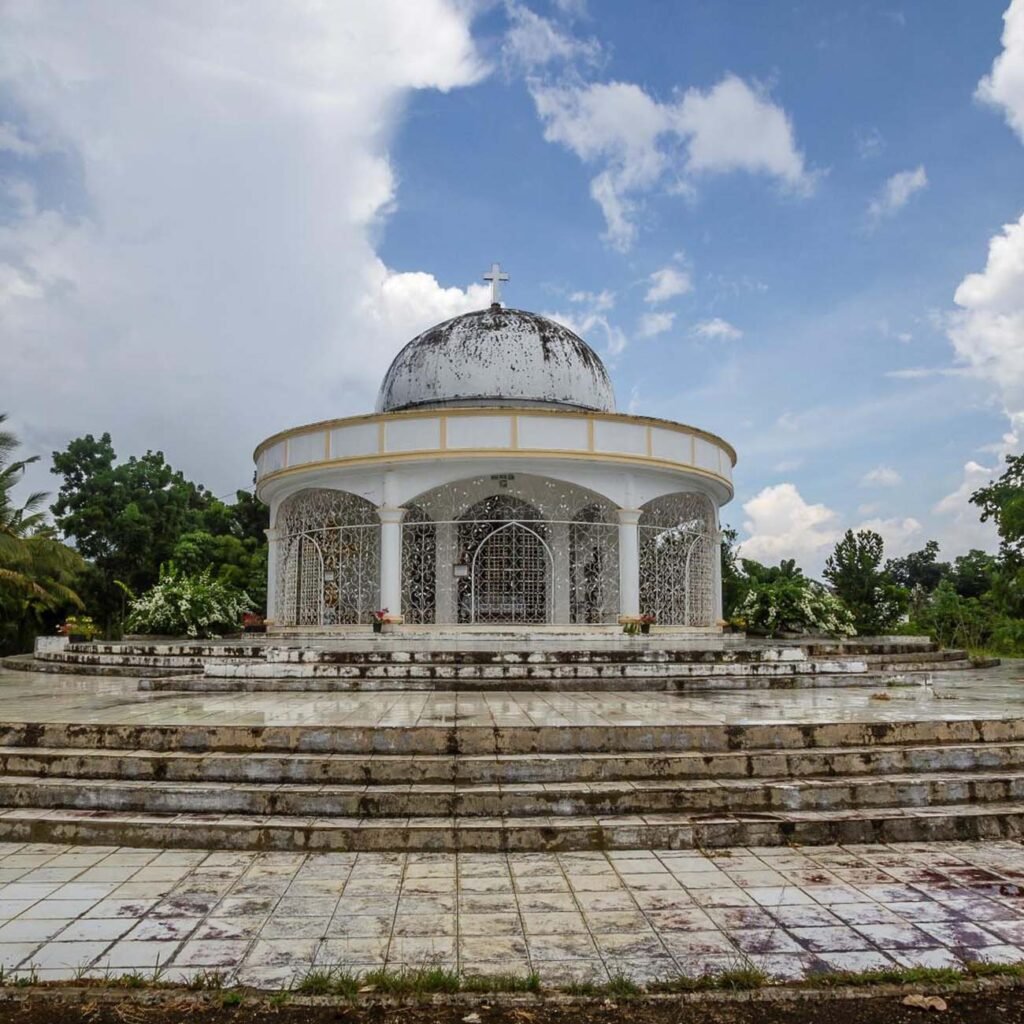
[[1004, 85], [881, 476], [717, 329], [667, 283], [781, 524], [217, 279], [899, 535], [652, 324], [960, 529], [634, 140], [988, 328], [896, 193]]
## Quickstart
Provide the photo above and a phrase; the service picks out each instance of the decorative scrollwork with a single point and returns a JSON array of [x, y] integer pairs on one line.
[[678, 545], [419, 567], [329, 557]]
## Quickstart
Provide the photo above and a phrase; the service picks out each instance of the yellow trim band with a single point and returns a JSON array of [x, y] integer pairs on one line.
[[446, 413]]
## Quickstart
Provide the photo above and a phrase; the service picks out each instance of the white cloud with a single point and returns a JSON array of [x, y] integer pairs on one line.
[[734, 127], [960, 527], [218, 281], [599, 301], [717, 329], [987, 331], [635, 140], [533, 41], [652, 324], [899, 535], [667, 283], [780, 524], [881, 476], [1004, 85], [896, 193], [590, 321]]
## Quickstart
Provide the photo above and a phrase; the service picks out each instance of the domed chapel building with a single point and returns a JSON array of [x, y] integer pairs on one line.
[[495, 484]]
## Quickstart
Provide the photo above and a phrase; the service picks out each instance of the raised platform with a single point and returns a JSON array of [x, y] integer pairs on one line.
[[555, 659], [94, 760]]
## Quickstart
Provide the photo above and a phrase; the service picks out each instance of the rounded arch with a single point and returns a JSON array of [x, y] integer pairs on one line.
[[329, 559], [504, 568], [678, 548]]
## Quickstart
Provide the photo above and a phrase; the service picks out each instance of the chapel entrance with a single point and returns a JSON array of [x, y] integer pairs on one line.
[[505, 564]]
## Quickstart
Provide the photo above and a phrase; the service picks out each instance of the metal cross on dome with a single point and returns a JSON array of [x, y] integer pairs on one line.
[[495, 276]]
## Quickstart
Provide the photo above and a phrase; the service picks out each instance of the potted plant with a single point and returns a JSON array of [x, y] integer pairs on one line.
[[379, 618], [79, 629], [646, 621], [253, 622]]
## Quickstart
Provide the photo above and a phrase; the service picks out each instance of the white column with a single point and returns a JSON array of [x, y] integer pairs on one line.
[[273, 549], [391, 560], [629, 564]]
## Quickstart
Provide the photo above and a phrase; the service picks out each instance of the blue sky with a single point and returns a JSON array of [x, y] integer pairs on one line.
[[226, 222]]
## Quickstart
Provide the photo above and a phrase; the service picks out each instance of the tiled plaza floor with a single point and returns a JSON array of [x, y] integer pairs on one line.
[[39, 697], [266, 919]]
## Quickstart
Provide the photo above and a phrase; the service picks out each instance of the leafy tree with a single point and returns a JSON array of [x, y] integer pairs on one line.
[[787, 569], [130, 518], [973, 574], [1002, 501], [734, 584], [918, 570], [38, 573], [854, 571]]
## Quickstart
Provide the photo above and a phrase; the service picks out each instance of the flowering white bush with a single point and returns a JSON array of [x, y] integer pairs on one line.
[[194, 606], [794, 605]]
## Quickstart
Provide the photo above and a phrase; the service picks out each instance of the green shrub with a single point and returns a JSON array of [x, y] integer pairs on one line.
[[194, 605], [793, 604]]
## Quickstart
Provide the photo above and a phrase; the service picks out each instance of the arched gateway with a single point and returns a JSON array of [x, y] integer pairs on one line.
[[494, 485]]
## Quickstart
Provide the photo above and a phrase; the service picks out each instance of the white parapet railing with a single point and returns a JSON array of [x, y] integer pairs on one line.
[[457, 432]]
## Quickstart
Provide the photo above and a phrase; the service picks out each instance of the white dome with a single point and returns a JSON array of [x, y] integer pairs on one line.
[[494, 357]]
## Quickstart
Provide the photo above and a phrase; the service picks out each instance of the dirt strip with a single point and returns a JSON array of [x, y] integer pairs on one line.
[[975, 1002]]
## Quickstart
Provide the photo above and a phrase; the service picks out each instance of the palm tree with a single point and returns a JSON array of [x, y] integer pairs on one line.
[[36, 570]]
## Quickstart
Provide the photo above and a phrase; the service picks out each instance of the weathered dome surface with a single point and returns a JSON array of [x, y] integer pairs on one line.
[[497, 356]]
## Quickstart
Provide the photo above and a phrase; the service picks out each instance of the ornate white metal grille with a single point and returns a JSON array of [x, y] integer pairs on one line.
[[677, 551], [328, 569], [419, 567], [503, 545], [593, 566]]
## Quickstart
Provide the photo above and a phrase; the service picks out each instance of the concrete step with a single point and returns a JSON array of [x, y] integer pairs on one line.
[[400, 769], [191, 683], [695, 796], [663, 831], [491, 739], [910, 657], [29, 663], [193, 649]]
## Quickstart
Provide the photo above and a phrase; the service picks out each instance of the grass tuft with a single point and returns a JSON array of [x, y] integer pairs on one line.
[[500, 982], [736, 979], [888, 976], [412, 981]]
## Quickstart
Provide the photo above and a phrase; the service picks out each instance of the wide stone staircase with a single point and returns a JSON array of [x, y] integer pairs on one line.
[[490, 787], [600, 664]]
